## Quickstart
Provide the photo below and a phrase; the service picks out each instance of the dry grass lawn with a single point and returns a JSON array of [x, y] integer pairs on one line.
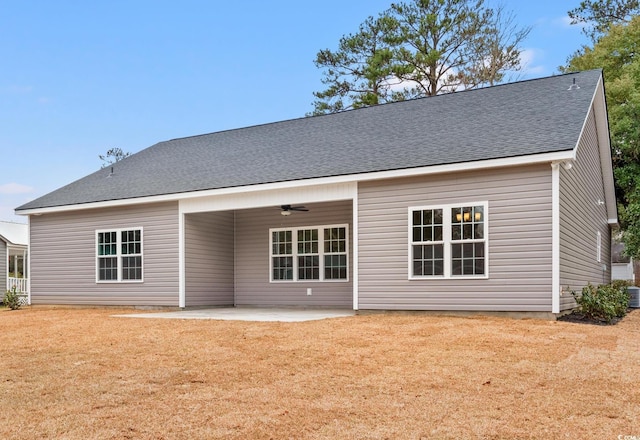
[[83, 374]]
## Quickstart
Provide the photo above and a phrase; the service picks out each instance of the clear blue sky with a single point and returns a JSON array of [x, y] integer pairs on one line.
[[79, 77]]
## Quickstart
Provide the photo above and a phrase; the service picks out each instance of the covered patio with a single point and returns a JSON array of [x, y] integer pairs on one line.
[[255, 251]]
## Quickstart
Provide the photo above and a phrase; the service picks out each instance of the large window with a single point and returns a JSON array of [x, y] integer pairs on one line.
[[310, 253], [448, 241], [119, 255]]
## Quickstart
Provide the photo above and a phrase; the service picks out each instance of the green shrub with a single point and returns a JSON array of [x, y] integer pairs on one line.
[[603, 302], [621, 284], [12, 299]]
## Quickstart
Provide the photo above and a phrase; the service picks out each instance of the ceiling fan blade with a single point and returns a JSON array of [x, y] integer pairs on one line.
[[293, 208]]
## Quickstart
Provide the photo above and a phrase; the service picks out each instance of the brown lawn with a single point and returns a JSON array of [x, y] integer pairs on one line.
[[81, 373]]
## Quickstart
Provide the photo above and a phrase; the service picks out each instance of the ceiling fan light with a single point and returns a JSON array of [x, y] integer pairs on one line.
[[285, 213]]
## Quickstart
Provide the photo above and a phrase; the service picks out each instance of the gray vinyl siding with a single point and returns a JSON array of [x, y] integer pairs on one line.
[[3, 267], [209, 259], [63, 256], [519, 233], [581, 217], [253, 286]]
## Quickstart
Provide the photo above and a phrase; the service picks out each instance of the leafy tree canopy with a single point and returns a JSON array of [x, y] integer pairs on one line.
[[419, 48], [598, 15]]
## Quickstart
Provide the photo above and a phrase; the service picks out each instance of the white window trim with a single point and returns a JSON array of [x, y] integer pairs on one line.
[[321, 254], [599, 247], [446, 235], [119, 255]]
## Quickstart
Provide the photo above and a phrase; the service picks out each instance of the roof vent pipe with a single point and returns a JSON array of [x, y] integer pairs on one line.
[[574, 86]]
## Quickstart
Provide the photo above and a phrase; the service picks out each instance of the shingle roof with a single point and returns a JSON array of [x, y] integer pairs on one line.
[[523, 118]]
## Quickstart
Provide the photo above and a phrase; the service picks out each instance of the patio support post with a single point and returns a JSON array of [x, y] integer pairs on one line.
[[27, 268], [354, 238], [555, 237], [182, 300]]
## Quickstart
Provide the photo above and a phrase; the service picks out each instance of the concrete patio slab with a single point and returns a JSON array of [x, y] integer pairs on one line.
[[247, 314]]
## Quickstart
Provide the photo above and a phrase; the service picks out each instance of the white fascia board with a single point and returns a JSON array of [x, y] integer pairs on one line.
[[103, 204], [320, 181], [604, 141]]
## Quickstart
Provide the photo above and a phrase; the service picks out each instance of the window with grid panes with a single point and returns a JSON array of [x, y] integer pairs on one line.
[[467, 240], [316, 253], [428, 244], [107, 256], [119, 255], [282, 255], [335, 253], [308, 255], [131, 245], [448, 241]]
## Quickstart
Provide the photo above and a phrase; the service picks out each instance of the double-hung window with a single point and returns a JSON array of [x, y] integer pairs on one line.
[[427, 242], [282, 255], [448, 241], [119, 255], [310, 253], [335, 253]]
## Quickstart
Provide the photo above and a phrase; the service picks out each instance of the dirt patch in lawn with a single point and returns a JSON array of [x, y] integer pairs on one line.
[[581, 318], [81, 373]]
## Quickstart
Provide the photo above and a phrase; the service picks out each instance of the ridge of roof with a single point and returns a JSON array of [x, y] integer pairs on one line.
[[441, 95]]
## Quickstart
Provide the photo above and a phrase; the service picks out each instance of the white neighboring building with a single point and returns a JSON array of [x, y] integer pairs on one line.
[[621, 265], [14, 254]]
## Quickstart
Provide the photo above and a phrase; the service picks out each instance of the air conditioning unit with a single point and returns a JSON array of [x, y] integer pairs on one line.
[[634, 293]]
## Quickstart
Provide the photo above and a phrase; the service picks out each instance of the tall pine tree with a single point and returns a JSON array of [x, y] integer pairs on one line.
[[419, 48]]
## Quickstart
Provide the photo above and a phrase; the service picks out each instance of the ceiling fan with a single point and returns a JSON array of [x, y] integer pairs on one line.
[[287, 209]]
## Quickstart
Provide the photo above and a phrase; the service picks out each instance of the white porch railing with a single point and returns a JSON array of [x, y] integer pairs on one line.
[[21, 288], [20, 283]]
